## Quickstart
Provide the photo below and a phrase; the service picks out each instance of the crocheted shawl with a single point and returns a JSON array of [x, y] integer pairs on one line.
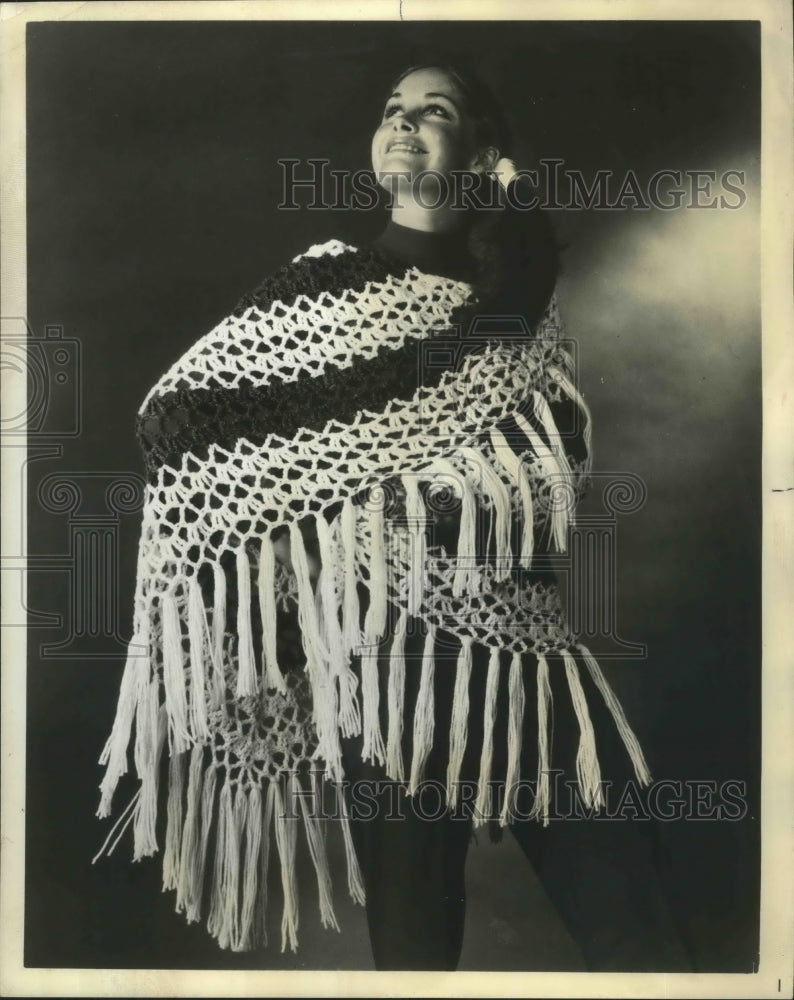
[[339, 402]]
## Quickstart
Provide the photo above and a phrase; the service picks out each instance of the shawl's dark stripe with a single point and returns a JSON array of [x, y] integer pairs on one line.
[[191, 419], [334, 274]]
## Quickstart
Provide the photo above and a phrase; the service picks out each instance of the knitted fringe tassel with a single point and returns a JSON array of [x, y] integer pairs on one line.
[[174, 675], [557, 477], [515, 468], [173, 833], [372, 747], [500, 500], [459, 725], [286, 834], [396, 700], [247, 683], [514, 730], [349, 718], [224, 918], [313, 645], [326, 588], [250, 871], [218, 635], [376, 620], [374, 627], [320, 677], [624, 729], [266, 590], [260, 916], [424, 713], [151, 724], [540, 808], [114, 754], [316, 841], [193, 847], [417, 521], [588, 771], [482, 808], [351, 624], [198, 634], [355, 883]]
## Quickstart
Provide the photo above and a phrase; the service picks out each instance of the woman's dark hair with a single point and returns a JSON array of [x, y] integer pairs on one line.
[[515, 252]]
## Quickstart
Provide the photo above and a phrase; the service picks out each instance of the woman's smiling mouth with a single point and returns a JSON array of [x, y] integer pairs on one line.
[[404, 146]]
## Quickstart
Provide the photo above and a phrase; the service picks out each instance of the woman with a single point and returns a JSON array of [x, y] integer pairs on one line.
[[354, 481]]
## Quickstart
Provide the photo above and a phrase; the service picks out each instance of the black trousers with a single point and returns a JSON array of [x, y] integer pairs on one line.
[[599, 873]]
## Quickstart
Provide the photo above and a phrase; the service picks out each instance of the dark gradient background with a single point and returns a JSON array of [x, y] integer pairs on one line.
[[152, 193]]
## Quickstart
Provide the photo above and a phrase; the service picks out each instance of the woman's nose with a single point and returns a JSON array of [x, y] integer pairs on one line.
[[404, 123]]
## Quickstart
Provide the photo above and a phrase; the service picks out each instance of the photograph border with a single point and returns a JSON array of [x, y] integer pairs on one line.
[[775, 976]]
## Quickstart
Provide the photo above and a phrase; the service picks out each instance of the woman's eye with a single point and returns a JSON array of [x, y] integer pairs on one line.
[[390, 110], [437, 110]]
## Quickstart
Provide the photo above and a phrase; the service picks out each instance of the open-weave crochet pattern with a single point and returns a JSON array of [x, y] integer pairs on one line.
[[422, 463]]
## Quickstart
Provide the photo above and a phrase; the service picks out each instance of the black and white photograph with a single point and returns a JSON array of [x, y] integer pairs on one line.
[[397, 499]]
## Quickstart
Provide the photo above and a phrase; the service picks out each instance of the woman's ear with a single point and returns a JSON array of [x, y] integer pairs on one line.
[[485, 160]]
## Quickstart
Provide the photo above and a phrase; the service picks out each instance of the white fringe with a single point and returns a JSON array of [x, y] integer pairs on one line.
[[372, 746], [250, 870], [316, 652], [500, 517], [514, 740], [349, 717], [173, 832], [322, 681], [543, 413], [232, 807], [396, 700], [375, 627], [191, 861], [326, 586], [215, 919], [458, 730], [174, 675], [351, 625], [482, 808], [198, 634], [123, 821], [557, 477], [286, 834], [540, 809], [114, 754], [218, 636], [417, 523], [355, 883], [630, 741], [424, 713], [316, 841], [516, 469], [266, 591], [247, 681], [588, 771], [152, 724], [260, 919]]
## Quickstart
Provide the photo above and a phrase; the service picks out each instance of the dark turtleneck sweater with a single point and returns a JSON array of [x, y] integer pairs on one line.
[[446, 254]]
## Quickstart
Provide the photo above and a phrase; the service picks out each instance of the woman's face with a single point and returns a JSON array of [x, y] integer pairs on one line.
[[424, 128]]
